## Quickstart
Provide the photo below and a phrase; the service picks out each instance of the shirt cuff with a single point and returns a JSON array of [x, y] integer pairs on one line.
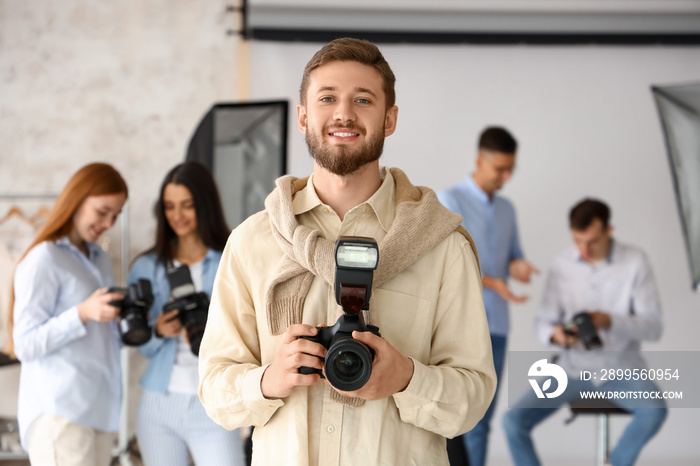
[[253, 398], [74, 326], [419, 389]]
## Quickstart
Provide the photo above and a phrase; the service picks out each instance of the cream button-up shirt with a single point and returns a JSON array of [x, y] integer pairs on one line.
[[432, 312]]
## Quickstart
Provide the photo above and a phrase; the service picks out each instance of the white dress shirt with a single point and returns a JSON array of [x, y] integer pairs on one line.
[[621, 285], [69, 369]]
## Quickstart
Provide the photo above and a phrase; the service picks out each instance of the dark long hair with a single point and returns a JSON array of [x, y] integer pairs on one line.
[[211, 224]]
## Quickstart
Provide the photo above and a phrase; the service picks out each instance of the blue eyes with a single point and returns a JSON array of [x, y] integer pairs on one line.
[[331, 99]]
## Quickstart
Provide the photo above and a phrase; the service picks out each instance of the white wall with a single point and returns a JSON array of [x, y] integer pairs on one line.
[[587, 125]]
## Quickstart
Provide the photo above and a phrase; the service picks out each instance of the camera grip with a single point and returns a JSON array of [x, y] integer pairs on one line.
[[117, 289], [310, 370]]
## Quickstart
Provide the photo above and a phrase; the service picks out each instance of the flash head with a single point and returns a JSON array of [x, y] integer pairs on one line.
[[356, 252], [356, 258]]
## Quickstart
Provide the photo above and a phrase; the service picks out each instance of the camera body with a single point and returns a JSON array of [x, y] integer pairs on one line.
[[133, 316], [193, 306], [587, 332], [348, 362]]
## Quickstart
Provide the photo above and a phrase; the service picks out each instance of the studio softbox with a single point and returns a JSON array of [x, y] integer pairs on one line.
[[245, 146], [679, 111]]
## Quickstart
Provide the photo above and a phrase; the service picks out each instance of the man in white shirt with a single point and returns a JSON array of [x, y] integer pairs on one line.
[[613, 284], [432, 375]]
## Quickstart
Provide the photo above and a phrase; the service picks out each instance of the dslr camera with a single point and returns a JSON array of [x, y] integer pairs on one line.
[[348, 362], [133, 316], [193, 306], [586, 330]]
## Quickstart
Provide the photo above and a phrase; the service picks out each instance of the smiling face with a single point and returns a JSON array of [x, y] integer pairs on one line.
[[94, 216], [345, 119], [179, 210]]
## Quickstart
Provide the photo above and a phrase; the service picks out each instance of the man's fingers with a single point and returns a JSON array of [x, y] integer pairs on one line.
[[517, 299], [313, 348], [298, 330], [369, 339], [298, 360]]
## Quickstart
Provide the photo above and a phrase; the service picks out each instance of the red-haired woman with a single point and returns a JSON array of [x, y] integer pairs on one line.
[[64, 330]]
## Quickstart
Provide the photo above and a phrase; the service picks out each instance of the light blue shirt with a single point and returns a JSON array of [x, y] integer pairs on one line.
[[69, 369], [162, 351], [623, 286], [492, 224]]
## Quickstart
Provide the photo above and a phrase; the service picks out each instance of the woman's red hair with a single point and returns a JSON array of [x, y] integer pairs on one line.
[[95, 179]]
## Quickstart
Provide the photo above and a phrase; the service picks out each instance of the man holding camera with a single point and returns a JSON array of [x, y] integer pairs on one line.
[[432, 375], [600, 302]]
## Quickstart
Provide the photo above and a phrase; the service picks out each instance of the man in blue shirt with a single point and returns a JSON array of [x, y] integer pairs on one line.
[[491, 221]]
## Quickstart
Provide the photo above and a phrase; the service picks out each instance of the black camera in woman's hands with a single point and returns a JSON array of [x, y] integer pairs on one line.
[[193, 306], [133, 316]]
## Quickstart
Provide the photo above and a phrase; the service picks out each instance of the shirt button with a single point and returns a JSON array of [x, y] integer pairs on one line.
[[326, 210], [330, 429]]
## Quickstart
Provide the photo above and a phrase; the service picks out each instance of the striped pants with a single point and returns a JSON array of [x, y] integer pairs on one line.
[[170, 424]]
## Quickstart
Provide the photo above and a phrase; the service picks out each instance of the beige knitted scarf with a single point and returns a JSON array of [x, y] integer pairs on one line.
[[420, 223]]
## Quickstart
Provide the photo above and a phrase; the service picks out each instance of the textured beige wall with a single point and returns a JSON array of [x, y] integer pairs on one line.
[[124, 81]]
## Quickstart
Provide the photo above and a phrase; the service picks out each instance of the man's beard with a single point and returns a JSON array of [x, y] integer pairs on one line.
[[340, 160]]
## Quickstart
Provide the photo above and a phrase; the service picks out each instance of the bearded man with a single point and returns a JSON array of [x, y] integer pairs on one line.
[[432, 373]]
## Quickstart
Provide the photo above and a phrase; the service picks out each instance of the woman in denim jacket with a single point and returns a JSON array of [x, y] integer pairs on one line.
[[191, 231]]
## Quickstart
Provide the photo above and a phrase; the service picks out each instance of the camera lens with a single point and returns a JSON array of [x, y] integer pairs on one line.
[[134, 328], [348, 364]]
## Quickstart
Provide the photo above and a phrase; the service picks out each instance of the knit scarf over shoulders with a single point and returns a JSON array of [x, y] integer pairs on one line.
[[421, 222]]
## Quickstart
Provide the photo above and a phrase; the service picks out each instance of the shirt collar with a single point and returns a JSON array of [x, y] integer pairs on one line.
[[93, 248], [306, 198], [382, 202], [471, 186]]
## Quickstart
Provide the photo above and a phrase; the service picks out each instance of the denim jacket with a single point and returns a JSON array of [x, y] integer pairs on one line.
[[162, 351]]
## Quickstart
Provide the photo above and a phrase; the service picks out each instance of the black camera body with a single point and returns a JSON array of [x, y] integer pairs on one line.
[[348, 362], [133, 316], [193, 306], [587, 332]]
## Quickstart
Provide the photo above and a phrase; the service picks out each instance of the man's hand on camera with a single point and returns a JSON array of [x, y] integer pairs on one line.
[[561, 338], [168, 325], [280, 377], [600, 319], [391, 370]]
